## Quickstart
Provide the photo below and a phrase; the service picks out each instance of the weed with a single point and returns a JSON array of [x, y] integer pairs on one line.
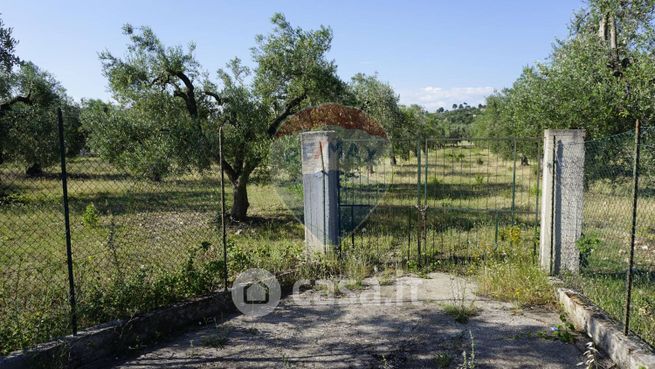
[[387, 277], [469, 358], [348, 285], [516, 279], [286, 364], [564, 332], [217, 340], [590, 354], [586, 245], [385, 363], [511, 234], [90, 217], [461, 309], [461, 314], [443, 360]]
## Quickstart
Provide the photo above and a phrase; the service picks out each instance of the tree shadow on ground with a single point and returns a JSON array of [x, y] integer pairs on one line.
[[435, 191], [399, 219], [342, 335]]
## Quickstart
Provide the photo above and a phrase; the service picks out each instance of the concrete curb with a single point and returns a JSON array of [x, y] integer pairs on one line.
[[99, 345], [95, 346], [628, 352]]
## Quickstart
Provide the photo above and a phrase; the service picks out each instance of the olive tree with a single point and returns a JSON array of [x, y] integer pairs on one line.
[[600, 78], [169, 109], [29, 98], [380, 101]]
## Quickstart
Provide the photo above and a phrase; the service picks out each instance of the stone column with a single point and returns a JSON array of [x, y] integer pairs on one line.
[[562, 200], [320, 172]]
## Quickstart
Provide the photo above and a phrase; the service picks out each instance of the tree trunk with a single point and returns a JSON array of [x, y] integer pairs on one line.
[[240, 202], [602, 28], [393, 160], [34, 170], [612, 24]]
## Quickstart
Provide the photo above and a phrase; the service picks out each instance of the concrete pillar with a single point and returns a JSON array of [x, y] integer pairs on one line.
[[320, 172], [562, 200]]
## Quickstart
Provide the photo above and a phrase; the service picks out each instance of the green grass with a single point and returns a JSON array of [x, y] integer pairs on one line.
[[608, 292], [461, 313], [462, 183], [138, 245], [606, 229], [515, 279]]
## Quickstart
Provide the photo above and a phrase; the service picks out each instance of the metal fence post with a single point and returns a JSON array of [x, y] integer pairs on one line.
[[69, 253], [352, 225], [536, 206], [425, 183], [323, 173], [513, 180], [552, 205], [339, 214], [496, 230], [418, 204], [635, 196], [223, 230], [425, 202], [409, 234]]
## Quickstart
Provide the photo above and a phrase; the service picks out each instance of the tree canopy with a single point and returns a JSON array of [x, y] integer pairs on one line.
[[173, 109], [600, 78], [29, 97]]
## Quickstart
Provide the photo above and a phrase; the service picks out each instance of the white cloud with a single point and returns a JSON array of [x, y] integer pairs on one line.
[[432, 97]]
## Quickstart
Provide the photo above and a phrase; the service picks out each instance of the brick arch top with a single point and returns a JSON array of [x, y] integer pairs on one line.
[[331, 115]]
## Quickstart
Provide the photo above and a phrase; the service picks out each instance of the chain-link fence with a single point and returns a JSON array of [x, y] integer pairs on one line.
[[617, 239], [135, 244], [439, 201]]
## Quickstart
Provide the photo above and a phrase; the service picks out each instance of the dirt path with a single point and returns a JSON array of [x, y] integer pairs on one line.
[[372, 329]]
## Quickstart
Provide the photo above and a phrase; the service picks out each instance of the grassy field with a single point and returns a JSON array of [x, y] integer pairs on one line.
[[605, 246], [473, 203], [138, 244]]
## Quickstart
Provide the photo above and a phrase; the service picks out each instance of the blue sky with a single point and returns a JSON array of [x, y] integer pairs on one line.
[[434, 53]]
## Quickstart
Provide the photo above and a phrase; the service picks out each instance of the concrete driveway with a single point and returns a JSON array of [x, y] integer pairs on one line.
[[401, 324]]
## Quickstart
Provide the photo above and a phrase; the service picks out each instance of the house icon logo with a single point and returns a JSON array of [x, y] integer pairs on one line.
[[256, 292]]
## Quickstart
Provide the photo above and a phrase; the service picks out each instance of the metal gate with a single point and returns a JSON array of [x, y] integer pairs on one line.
[[437, 200]]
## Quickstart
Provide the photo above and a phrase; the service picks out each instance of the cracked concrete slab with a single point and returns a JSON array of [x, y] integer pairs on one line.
[[373, 328]]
